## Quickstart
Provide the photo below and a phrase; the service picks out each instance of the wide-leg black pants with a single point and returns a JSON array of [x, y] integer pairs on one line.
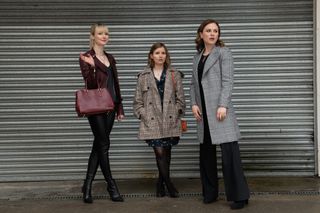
[[236, 186]]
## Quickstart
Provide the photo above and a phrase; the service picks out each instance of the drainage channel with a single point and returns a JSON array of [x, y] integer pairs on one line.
[[182, 195]]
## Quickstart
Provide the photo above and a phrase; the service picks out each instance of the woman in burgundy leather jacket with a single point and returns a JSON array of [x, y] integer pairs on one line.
[[99, 68]]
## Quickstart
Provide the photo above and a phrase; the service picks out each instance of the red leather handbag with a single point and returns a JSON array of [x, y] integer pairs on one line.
[[93, 101]]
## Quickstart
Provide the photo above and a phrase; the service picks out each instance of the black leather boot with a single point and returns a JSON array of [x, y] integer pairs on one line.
[[113, 191], [86, 190]]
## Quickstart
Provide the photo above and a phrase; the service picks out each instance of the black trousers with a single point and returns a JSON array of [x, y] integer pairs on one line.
[[101, 126], [236, 186]]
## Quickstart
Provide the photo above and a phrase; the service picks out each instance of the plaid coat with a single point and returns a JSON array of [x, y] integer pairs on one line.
[[217, 82], [155, 121]]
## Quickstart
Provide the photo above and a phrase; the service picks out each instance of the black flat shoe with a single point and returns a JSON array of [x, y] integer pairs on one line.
[[207, 200], [239, 204], [161, 192]]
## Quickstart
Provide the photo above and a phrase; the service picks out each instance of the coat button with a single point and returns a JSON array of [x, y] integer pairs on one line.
[[152, 118], [170, 116], [169, 102], [150, 103]]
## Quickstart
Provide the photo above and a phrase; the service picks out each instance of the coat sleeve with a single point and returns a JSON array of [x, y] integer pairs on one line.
[[138, 103], [226, 78], [192, 87], [180, 99]]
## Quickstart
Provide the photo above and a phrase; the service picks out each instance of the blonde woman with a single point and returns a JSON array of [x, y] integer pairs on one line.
[[99, 67]]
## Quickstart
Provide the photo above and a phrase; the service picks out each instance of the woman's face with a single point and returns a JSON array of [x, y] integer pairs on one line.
[[159, 56], [210, 34], [101, 36]]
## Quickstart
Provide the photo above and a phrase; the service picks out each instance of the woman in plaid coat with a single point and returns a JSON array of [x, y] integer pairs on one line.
[[158, 104], [210, 92]]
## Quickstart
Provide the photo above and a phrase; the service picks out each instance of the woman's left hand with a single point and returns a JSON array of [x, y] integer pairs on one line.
[[120, 117], [221, 113]]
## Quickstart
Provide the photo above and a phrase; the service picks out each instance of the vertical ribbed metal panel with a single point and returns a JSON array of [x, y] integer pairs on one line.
[[42, 139]]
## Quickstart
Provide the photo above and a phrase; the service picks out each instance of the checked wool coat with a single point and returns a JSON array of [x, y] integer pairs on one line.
[[155, 121], [217, 83]]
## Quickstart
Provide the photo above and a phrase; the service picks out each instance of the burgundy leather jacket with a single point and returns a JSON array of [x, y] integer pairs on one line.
[[97, 75]]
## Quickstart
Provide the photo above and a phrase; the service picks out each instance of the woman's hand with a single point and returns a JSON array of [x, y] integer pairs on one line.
[[87, 58], [221, 113], [196, 112], [120, 117]]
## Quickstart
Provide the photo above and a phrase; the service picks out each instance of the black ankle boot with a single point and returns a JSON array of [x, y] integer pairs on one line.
[[86, 190], [161, 192], [173, 192], [113, 191]]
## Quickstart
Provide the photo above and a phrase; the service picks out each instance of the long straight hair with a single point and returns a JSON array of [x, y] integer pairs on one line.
[[199, 41]]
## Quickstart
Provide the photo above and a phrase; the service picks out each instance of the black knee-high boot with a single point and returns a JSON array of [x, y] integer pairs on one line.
[[91, 172], [112, 186]]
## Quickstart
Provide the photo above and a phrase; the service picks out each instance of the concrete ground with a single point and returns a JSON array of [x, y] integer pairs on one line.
[[274, 194]]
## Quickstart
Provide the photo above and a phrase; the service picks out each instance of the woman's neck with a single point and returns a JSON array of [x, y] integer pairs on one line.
[[208, 49], [99, 50], [157, 68]]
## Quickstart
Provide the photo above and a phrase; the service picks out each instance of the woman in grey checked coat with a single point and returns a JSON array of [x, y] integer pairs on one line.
[[210, 92], [159, 103]]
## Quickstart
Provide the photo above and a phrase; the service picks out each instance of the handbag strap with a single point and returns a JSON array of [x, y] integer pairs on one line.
[[86, 81]]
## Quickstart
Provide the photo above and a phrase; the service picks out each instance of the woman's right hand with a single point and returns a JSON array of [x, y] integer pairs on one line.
[[196, 112], [87, 58]]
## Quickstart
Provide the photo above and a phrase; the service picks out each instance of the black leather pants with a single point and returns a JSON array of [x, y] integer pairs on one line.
[[101, 126]]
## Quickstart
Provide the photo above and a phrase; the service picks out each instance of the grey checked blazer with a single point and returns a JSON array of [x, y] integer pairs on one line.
[[217, 82]]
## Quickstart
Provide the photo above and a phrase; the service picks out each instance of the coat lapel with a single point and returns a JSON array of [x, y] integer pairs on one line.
[[211, 60], [155, 93], [168, 89]]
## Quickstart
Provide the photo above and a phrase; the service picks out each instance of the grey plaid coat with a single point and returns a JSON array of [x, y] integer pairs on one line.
[[217, 82], [156, 122]]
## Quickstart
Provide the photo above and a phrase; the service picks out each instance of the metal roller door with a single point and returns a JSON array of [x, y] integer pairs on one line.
[[42, 139]]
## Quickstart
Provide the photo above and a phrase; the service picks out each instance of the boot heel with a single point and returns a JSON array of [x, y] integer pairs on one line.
[[114, 192], [86, 190]]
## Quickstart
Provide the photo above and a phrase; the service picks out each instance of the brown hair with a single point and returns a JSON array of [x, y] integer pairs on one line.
[[155, 46], [93, 30], [199, 41]]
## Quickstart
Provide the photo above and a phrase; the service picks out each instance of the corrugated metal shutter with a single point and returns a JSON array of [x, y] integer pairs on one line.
[[41, 138]]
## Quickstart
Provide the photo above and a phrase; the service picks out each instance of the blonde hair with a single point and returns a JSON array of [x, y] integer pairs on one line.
[[155, 46], [92, 32]]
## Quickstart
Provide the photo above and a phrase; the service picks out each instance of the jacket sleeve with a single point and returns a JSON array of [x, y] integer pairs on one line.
[[180, 99], [138, 103], [86, 69], [226, 69]]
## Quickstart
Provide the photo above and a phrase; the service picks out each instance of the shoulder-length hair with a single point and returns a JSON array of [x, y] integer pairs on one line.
[[93, 30], [199, 41], [155, 46]]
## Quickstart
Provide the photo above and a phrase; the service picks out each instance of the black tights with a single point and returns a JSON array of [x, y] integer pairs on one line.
[[163, 157], [101, 126]]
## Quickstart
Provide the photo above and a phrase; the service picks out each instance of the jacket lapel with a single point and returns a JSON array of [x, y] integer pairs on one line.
[[155, 94], [168, 89], [211, 60]]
